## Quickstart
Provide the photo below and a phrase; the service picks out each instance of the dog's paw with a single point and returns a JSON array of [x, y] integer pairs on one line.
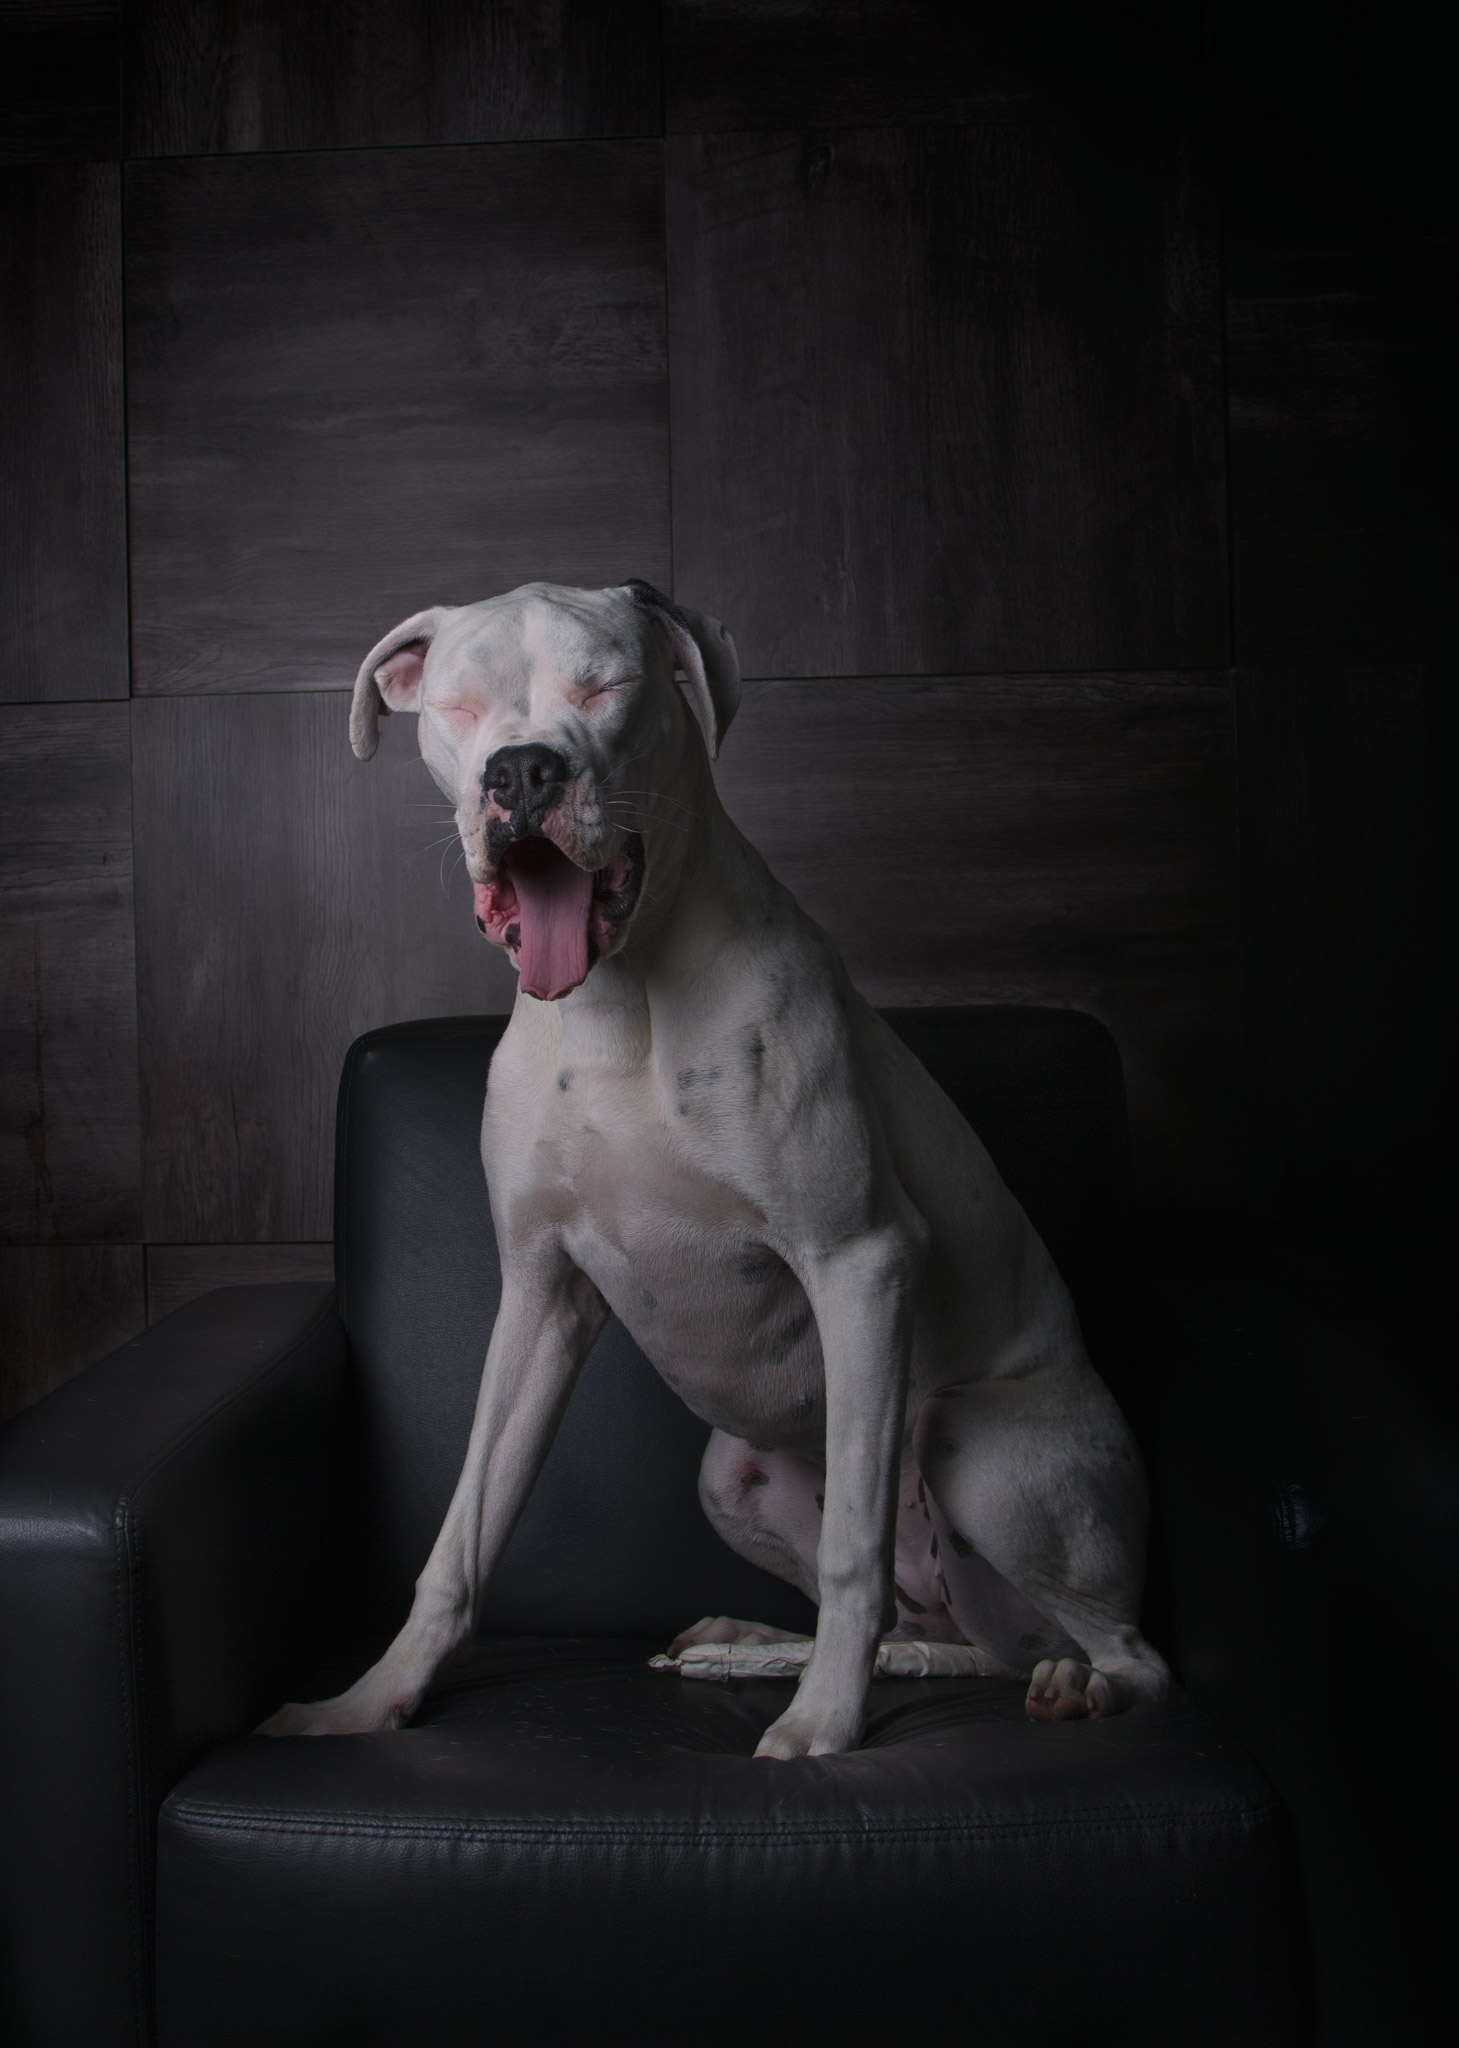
[[342, 1716], [1068, 1691], [801, 1731]]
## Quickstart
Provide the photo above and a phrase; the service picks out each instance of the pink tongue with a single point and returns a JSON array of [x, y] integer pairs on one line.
[[553, 898]]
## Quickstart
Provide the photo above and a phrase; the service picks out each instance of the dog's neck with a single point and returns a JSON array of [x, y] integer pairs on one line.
[[704, 886]]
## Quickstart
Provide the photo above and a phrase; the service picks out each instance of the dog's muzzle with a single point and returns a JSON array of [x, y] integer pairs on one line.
[[557, 916]]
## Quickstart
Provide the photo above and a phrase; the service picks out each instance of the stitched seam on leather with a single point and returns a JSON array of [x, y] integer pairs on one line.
[[138, 1860], [231, 1821]]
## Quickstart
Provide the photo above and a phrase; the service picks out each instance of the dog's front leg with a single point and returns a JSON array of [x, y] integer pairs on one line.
[[861, 1296], [550, 1315]]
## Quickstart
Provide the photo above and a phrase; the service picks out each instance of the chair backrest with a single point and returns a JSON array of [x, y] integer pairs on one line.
[[613, 1541]]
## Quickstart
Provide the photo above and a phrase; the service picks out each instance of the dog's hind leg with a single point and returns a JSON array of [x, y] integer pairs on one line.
[[1039, 1502], [767, 1507]]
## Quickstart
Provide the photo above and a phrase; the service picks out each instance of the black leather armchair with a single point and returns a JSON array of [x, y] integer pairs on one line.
[[566, 1847]]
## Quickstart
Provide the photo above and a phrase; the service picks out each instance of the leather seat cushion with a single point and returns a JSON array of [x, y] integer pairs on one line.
[[566, 1847]]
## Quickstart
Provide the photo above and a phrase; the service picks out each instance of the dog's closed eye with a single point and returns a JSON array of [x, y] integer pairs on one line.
[[600, 685]]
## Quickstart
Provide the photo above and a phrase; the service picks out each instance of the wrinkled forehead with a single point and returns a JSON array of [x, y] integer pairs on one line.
[[542, 630]]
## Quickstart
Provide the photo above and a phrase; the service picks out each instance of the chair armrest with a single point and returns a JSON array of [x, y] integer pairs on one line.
[[170, 1524], [1307, 1510]]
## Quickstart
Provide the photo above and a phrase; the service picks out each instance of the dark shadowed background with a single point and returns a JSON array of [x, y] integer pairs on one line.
[[1050, 400]]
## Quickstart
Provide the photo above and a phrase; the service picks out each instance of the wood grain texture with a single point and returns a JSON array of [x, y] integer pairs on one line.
[[179, 1273], [68, 1021], [948, 399], [362, 383], [62, 1308], [209, 76], [1340, 909], [63, 564], [60, 84], [289, 898], [1336, 376], [748, 64], [1063, 840]]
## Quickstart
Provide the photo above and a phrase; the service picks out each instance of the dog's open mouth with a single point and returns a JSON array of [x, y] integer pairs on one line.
[[559, 919]]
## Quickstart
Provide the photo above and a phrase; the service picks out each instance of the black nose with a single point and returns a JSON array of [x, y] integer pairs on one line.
[[526, 779]]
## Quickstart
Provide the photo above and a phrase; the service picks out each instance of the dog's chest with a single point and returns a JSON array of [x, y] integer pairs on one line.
[[647, 1210]]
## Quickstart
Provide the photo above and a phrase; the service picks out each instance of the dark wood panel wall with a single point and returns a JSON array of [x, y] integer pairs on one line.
[[1056, 464]]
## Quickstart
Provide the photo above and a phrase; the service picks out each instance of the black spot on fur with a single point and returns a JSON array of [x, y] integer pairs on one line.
[[756, 1055], [904, 1599], [755, 1477], [781, 1346], [960, 1544], [696, 1077], [564, 1081], [648, 1300]]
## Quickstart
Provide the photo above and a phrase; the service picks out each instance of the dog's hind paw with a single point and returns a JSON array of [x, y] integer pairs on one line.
[[723, 1628], [1068, 1691]]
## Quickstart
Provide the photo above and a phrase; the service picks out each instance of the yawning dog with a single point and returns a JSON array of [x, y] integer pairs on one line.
[[695, 1122]]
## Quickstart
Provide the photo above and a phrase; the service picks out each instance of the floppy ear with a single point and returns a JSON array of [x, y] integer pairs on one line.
[[390, 675], [704, 651]]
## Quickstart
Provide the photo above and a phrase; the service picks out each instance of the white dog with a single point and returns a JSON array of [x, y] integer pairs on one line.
[[695, 1122]]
